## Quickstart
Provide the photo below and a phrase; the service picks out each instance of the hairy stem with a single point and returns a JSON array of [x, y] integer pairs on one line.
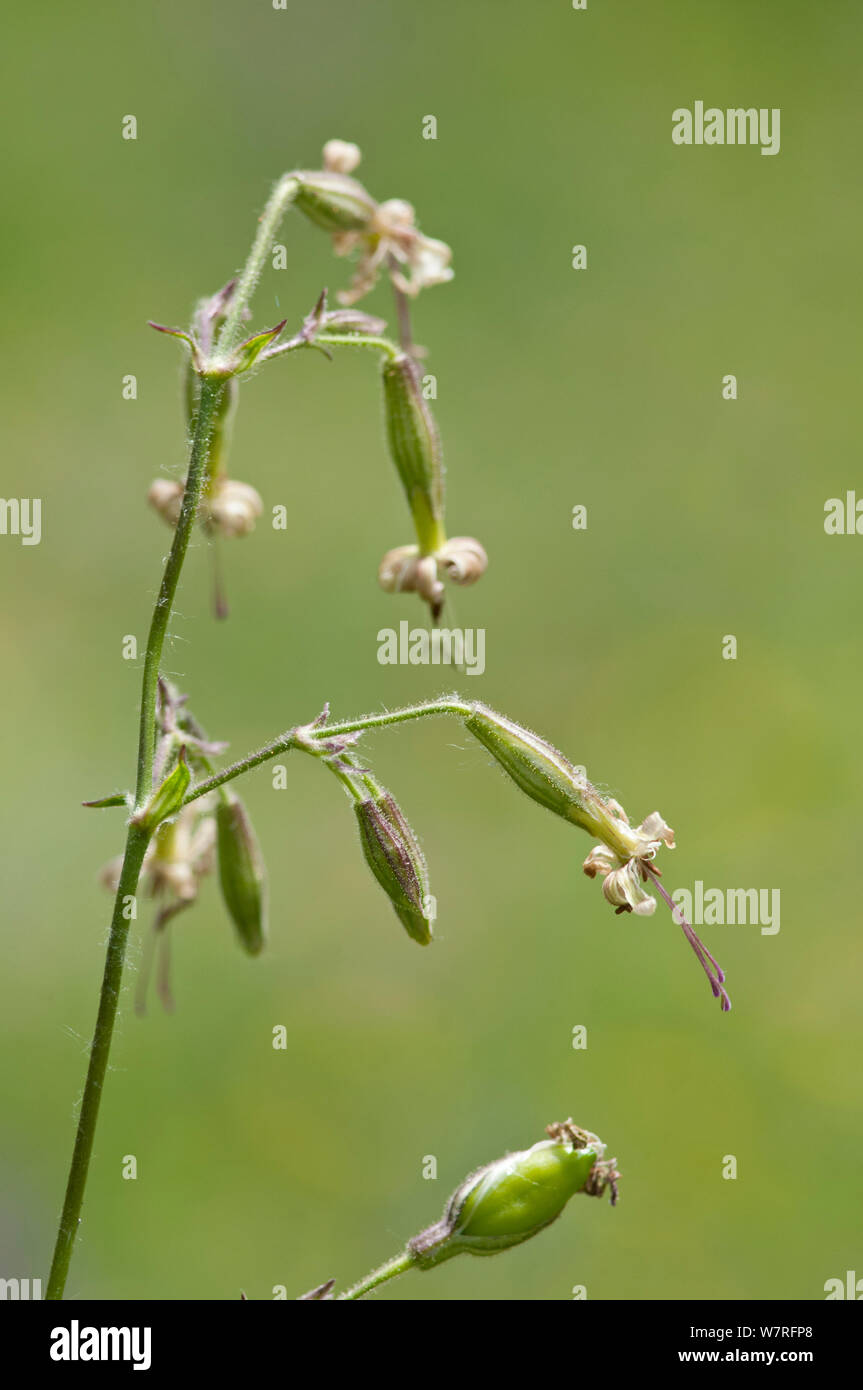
[[280, 199], [195, 479], [356, 340], [282, 744], [136, 846], [323, 340], [403, 314], [400, 1264], [289, 740], [397, 716]]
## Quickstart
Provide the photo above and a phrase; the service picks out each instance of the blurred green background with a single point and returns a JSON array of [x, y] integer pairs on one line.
[[258, 1167]]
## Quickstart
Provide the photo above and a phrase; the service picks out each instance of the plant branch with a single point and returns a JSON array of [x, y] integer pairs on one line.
[[282, 744], [397, 716], [400, 1264], [282, 196], [292, 739]]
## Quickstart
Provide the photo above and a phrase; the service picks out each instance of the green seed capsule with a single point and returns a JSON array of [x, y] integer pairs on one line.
[[242, 874], [415, 448], [334, 202], [393, 854], [512, 1199]]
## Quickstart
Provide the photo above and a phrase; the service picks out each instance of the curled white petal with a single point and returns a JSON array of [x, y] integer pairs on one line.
[[464, 559], [396, 571], [166, 498], [233, 508], [655, 830]]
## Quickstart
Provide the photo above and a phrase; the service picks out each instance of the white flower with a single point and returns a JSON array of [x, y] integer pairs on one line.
[[233, 508], [624, 878], [393, 241], [230, 509], [404, 570]]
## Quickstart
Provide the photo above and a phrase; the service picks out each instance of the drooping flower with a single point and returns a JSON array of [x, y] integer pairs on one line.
[[385, 235], [228, 508], [624, 878], [392, 241], [405, 570]]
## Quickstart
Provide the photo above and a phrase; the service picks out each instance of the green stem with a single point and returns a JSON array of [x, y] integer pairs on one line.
[[136, 847], [325, 340], [400, 1264], [282, 744], [360, 340], [397, 716], [282, 196], [137, 840], [285, 742], [195, 479]]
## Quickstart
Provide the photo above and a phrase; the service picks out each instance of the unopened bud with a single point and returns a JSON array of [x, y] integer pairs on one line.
[[516, 1197], [242, 874], [415, 448], [341, 156], [333, 201], [394, 856]]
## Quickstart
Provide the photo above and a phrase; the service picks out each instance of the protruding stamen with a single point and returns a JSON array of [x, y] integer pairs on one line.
[[711, 967]]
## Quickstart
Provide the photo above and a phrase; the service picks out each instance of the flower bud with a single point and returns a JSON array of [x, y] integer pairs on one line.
[[516, 1197], [242, 874], [393, 854], [415, 448], [341, 156], [333, 201]]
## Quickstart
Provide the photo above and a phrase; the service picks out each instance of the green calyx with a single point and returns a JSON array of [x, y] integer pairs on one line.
[[547, 777], [415, 448], [534, 765], [392, 852], [334, 201], [241, 873]]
